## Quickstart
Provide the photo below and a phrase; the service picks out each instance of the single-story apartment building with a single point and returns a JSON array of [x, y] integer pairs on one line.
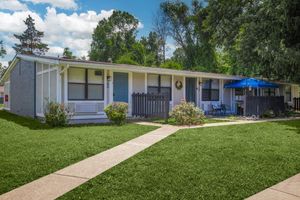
[[86, 87]]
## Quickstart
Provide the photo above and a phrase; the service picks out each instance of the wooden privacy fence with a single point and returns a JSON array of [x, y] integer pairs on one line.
[[297, 104], [258, 105], [150, 105]]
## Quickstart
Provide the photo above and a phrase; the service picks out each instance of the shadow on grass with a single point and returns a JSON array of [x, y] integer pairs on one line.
[[35, 124], [293, 125]]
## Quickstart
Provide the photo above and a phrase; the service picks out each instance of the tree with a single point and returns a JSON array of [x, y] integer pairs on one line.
[[262, 37], [2, 50], [185, 26], [2, 54], [68, 53], [113, 37], [161, 28], [30, 40], [153, 49]]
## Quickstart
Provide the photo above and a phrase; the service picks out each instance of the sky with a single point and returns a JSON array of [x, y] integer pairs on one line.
[[70, 23]]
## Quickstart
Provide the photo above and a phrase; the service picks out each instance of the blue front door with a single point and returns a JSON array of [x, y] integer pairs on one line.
[[120, 87], [190, 90]]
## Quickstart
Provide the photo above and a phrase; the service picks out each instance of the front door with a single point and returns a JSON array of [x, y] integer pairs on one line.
[[120, 87], [190, 90]]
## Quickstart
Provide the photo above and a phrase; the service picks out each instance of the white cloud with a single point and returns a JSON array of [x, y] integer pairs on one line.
[[64, 4], [61, 30], [13, 5]]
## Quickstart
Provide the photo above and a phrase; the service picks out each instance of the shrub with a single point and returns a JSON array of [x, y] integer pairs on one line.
[[268, 114], [116, 112], [187, 114], [56, 114]]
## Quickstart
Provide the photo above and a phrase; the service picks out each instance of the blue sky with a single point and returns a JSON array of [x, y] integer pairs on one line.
[[70, 23]]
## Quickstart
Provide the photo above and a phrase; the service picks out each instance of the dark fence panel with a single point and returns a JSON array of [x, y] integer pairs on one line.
[[258, 105], [150, 105], [297, 104]]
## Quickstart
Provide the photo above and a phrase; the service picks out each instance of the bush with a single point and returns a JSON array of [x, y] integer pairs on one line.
[[187, 114], [116, 112], [56, 114], [268, 114]]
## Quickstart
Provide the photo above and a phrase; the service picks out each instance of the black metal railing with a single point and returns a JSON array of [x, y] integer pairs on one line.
[[150, 105]]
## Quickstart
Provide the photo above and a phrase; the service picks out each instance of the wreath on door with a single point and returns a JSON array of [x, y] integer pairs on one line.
[[178, 85]]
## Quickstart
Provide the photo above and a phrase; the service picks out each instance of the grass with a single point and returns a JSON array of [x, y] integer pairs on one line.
[[229, 162], [171, 121], [30, 149]]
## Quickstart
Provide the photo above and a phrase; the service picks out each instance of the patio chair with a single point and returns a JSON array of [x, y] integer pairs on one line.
[[216, 108]]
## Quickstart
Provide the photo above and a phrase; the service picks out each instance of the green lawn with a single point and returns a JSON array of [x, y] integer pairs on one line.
[[229, 162], [30, 150]]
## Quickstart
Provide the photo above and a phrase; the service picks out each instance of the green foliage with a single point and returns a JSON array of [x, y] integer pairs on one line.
[[263, 37], [126, 59], [2, 50], [56, 115], [268, 114], [171, 64], [113, 37], [116, 112], [30, 40], [185, 26], [68, 53], [187, 114]]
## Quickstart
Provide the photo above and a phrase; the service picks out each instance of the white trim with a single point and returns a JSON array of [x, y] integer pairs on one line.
[[200, 92], [130, 90], [87, 101], [111, 87], [58, 85], [184, 85], [105, 88], [172, 90], [46, 71], [66, 86]]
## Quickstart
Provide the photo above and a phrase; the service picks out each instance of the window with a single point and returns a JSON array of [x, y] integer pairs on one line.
[[160, 84], [269, 92], [86, 84], [210, 90], [288, 93]]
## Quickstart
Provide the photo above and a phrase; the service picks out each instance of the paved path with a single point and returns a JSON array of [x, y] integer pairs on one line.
[[285, 190], [58, 183]]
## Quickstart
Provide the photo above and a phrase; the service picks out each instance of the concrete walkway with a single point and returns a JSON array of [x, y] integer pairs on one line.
[[285, 190], [58, 183]]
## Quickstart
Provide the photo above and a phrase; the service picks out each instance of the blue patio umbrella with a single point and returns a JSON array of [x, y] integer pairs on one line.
[[251, 83]]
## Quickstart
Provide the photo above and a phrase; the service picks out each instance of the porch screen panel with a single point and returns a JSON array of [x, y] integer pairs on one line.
[[45, 90], [39, 95], [288, 93], [53, 85]]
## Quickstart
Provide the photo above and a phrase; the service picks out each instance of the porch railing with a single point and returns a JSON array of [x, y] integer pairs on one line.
[[150, 105], [297, 104]]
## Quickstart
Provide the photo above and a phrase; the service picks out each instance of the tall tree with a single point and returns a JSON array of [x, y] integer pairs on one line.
[[68, 53], [161, 28], [152, 45], [186, 28], [113, 37], [2, 54], [263, 37], [30, 40], [2, 50]]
